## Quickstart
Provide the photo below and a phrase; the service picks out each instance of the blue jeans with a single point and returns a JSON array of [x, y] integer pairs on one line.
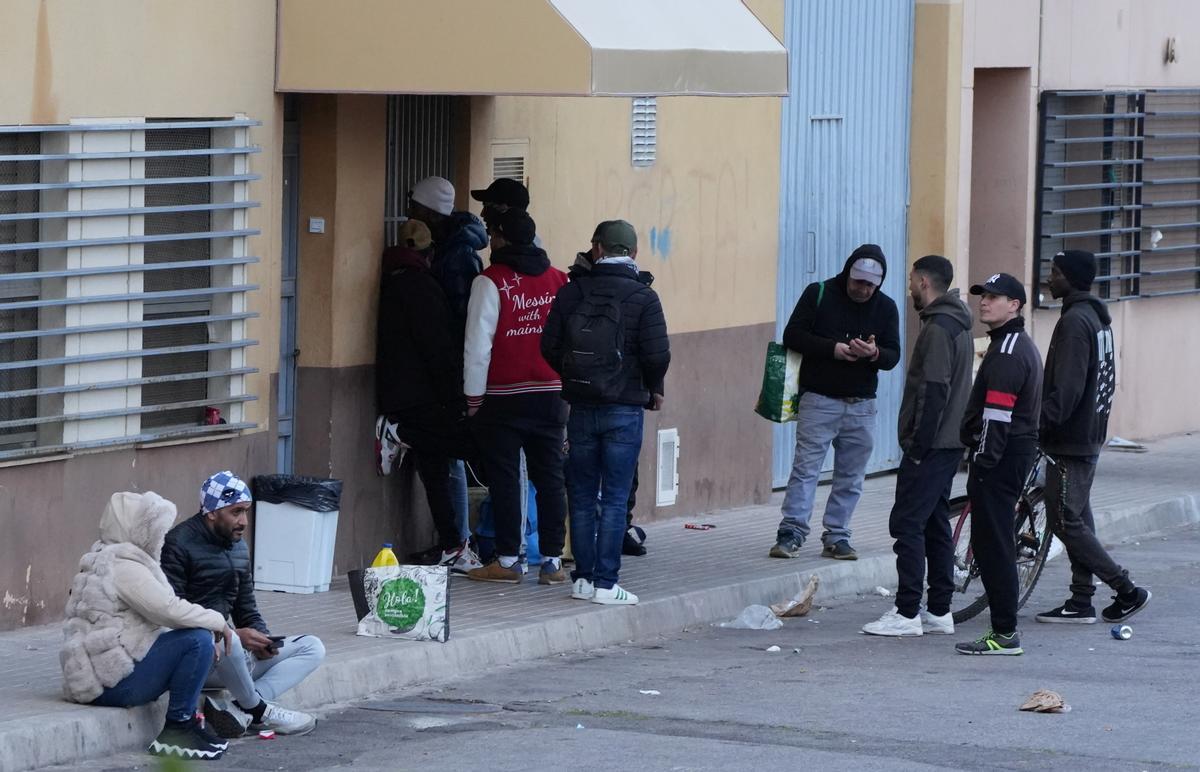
[[177, 663], [604, 444], [458, 497], [850, 428]]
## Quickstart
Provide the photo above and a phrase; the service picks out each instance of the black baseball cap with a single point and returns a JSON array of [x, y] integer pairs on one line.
[[1002, 284], [504, 191]]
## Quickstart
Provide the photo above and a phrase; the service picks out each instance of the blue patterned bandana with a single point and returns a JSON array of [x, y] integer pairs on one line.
[[223, 489]]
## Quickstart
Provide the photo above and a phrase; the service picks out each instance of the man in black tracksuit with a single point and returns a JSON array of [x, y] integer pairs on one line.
[[1000, 430], [418, 378], [1081, 377], [931, 411], [848, 331]]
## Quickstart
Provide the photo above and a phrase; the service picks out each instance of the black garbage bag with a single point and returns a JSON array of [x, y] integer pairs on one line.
[[315, 494]]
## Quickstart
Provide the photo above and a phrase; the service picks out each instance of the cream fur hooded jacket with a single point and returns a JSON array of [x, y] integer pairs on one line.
[[120, 600]]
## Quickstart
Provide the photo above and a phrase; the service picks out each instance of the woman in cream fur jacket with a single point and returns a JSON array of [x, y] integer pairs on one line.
[[128, 638]]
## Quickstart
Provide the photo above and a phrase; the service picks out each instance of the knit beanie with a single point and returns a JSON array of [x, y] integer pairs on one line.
[[1078, 266]]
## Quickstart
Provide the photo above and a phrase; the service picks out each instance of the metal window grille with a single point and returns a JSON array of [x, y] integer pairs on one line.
[[1119, 176], [418, 146], [644, 136], [122, 282]]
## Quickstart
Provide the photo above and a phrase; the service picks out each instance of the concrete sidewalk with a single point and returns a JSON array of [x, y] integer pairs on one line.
[[689, 578]]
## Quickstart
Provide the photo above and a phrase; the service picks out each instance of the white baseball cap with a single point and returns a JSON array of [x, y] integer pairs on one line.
[[867, 269], [436, 193]]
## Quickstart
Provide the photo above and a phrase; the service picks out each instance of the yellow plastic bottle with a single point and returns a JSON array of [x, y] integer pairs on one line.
[[385, 557]]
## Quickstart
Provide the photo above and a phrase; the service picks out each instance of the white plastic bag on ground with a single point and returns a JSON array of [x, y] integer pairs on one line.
[[755, 618]]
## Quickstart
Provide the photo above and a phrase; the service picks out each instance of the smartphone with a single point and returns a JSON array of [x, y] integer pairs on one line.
[[276, 640]]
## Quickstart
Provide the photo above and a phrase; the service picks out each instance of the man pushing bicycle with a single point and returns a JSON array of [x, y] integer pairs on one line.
[[1000, 430]]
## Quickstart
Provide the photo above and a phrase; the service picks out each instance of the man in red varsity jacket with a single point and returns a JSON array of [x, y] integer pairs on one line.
[[513, 395], [1000, 430]]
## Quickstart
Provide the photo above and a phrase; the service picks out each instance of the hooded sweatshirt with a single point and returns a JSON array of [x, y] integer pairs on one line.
[[507, 312], [456, 263], [814, 329], [1081, 378], [418, 362], [938, 380], [120, 600]]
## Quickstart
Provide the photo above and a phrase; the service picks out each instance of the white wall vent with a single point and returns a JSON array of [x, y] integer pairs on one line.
[[644, 138], [509, 160], [667, 489]]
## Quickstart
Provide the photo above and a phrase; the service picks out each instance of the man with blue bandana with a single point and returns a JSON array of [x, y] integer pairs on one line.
[[208, 563]]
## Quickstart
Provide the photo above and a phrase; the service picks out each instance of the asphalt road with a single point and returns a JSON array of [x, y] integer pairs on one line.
[[829, 699]]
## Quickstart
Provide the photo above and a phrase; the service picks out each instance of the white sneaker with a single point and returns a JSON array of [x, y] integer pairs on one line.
[[614, 596], [894, 624], [582, 589], [460, 560], [389, 448], [935, 625], [285, 721]]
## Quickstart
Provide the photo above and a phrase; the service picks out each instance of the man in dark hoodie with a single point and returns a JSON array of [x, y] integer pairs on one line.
[[1081, 378], [418, 382], [999, 429], [457, 239], [847, 331], [513, 395], [931, 411], [610, 314]]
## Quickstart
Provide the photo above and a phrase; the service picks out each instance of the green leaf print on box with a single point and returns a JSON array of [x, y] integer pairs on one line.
[[401, 604]]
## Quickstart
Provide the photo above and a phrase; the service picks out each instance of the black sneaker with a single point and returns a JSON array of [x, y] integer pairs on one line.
[[633, 542], [1124, 606], [1067, 614], [786, 548], [992, 643], [839, 550], [225, 718], [185, 740]]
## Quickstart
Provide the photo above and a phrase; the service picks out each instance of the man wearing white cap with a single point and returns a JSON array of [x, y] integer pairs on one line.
[[457, 239], [847, 331]]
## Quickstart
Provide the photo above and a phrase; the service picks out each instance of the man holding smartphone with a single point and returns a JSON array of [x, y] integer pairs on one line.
[[847, 330], [207, 563]]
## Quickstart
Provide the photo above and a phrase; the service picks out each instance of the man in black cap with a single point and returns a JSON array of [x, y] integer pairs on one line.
[[503, 194], [1000, 430], [848, 330], [1081, 377], [935, 396]]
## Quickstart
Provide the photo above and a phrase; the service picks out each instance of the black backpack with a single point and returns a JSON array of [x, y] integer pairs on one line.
[[593, 362]]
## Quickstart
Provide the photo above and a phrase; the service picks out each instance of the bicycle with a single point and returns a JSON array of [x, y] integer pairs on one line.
[[1033, 537]]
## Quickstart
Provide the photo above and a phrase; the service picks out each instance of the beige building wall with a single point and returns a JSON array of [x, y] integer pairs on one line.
[[65, 60], [969, 156]]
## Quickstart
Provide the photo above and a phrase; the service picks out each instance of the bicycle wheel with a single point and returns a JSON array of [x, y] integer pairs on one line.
[[969, 598], [1033, 542]]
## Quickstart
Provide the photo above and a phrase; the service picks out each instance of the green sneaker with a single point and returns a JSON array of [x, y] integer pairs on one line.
[[992, 643]]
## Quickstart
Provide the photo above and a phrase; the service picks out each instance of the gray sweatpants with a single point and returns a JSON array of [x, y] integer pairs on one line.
[[821, 422], [248, 678]]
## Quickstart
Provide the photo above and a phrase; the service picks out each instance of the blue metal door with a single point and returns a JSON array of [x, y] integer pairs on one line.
[[844, 180]]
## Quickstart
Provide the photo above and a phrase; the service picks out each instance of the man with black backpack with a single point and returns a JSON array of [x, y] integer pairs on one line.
[[607, 337]]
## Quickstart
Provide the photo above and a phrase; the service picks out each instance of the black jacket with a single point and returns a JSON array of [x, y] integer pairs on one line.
[[647, 347], [938, 380], [418, 360], [456, 263], [1081, 377], [212, 572], [1006, 401], [813, 330]]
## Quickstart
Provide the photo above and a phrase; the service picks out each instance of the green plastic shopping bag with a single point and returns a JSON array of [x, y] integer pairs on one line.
[[779, 398]]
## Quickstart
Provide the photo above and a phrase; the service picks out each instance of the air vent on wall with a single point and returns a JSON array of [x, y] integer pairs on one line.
[[644, 137], [509, 160], [667, 487]]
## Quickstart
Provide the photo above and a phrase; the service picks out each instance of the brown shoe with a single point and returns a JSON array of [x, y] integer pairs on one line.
[[494, 572], [551, 575]]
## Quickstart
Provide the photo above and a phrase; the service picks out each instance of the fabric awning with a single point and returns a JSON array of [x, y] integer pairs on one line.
[[535, 47]]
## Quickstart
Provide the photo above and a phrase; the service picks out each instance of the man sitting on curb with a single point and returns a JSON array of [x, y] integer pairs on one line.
[[207, 563]]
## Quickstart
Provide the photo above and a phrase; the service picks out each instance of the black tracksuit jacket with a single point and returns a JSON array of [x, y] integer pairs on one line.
[[1005, 405], [1081, 378]]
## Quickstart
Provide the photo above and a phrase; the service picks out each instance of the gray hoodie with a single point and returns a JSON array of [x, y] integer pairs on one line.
[[939, 379]]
